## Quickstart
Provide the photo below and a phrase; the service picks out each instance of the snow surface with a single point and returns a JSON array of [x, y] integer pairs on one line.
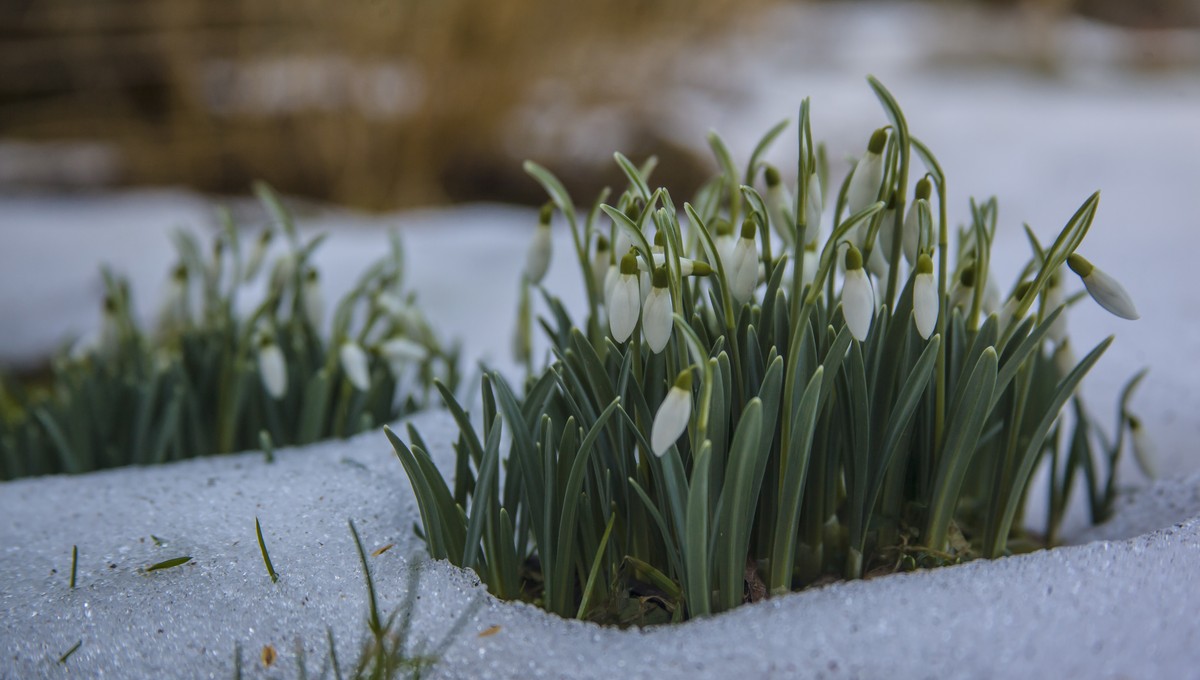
[[1122, 605]]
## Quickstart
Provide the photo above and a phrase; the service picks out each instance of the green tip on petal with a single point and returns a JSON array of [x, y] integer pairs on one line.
[[684, 380], [629, 264], [1022, 290], [878, 140], [180, 272], [110, 305], [924, 189], [311, 275], [601, 244], [546, 213], [772, 176], [633, 212], [723, 227], [749, 228], [660, 277], [925, 264], [660, 239], [853, 258], [701, 269], [1080, 265]]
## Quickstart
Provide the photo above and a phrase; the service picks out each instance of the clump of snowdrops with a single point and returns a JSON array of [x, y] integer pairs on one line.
[[212, 379], [774, 386]]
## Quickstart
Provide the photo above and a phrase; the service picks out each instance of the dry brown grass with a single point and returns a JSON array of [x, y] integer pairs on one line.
[[143, 74]]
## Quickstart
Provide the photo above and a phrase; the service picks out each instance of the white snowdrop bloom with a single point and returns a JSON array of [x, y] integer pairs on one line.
[[742, 269], [1054, 300], [687, 267], [354, 365], [312, 299], [657, 322], [858, 299], [1143, 448], [865, 182], [1007, 313], [912, 222], [812, 260], [991, 295], [174, 311], [1104, 289], [398, 352], [601, 259], [778, 202], [925, 297], [813, 207], [877, 262], [537, 260], [254, 264], [625, 300], [610, 281], [884, 237], [272, 368], [1064, 358], [283, 271], [673, 415]]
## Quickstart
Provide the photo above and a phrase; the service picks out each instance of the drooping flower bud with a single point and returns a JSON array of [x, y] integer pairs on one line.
[[912, 222], [813, 206], [1143, 448], [601, 259], [313, 299], [399, 352], [865, 182], [743, 263], [925, 297], [858, 298], [537, 260], [778, 202], [657, 322], [1104, 289], [354, 365], [174, 313], [272, 368], [962, 295], [673, 415], [625, 300]]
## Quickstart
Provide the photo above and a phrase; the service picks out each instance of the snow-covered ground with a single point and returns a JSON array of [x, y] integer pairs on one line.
[[1107, 609]]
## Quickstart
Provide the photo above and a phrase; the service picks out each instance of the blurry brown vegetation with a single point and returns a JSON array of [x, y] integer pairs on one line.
[[372, 103]]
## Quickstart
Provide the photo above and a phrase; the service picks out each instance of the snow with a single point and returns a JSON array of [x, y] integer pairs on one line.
[[1122, 604]]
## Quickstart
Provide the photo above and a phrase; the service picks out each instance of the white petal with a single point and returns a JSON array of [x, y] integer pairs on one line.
[[657, 321], [400, 350], [858, 303], [273, 370], [623, 307], [537, 261], [354, 364], [743, 274], [811, 261], [610, 281], [1109, 294], [877, 263], [1143, 449], [864, 184], [925, 304], [912, 231], [314, 303], [1054, 300], [671, 420], [778, 201]]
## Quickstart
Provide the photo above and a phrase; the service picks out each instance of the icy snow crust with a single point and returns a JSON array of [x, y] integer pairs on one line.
[[1120, 608], [1122, 605]]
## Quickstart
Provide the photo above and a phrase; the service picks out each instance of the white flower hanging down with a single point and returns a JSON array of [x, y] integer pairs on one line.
[[778, 201], [925, 297], [912, 222], [742, 269], [657, 320], [858, 299], [962, 293], [865, 182], [354, 365], [601, 260], [1104, 289], [813, 207], [625, 300], [399, 352], [673, 415], [1143, 449], [272, 368], [314, 300], [537, 261]]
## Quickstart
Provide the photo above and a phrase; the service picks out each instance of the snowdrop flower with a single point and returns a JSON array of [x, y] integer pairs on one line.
[[601, 260], [1104, 289], [400, 351], [1064, 358], [925, 297], [1143, 448], [354, 365], [778, 201], [314, 301], [877, 262], [813, 206], [858, 299], [625, 300], [864, 183], [962, 295], [673, 415], [622, 242], [1054, 300], [254, 264], [537, 261], [657, 321], [272, 368], [742, 269], [912, 222], [1007, 314], [173, 313], [812, 260], [887, 228], [282, 272]]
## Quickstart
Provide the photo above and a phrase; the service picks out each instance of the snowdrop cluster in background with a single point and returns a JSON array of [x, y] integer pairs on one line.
[[211, 379], [776, 383]]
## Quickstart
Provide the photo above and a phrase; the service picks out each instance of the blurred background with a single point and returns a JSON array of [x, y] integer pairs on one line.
[[382, 104]]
